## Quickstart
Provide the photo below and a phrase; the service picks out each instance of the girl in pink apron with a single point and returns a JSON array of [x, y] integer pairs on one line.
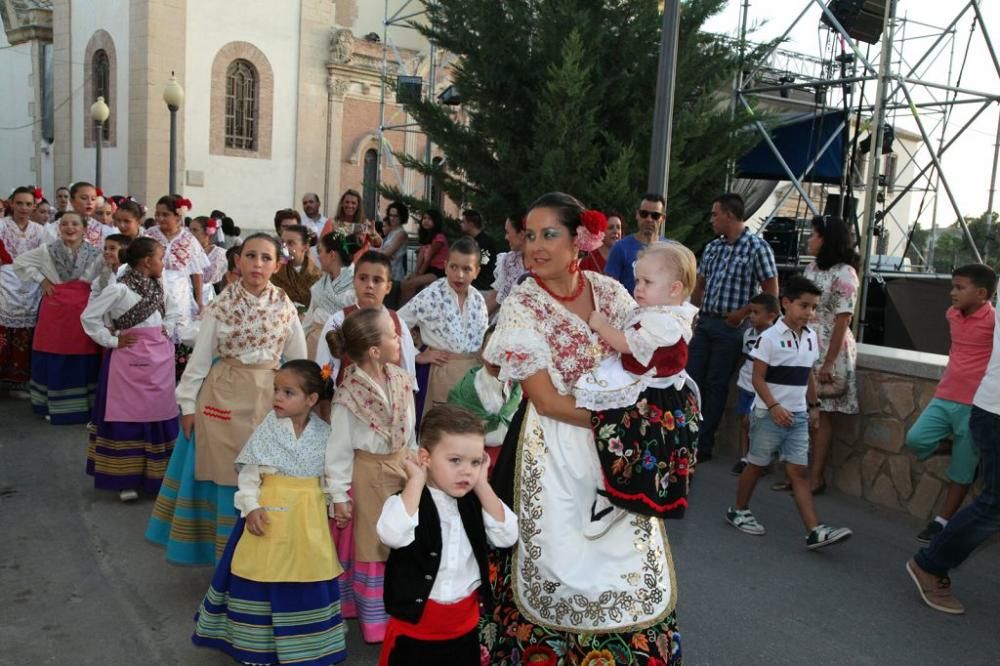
[[225, 392], [64, 361], [134, 424]]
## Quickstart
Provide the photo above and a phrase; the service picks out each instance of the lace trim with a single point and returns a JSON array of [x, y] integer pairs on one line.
[[619, 398]]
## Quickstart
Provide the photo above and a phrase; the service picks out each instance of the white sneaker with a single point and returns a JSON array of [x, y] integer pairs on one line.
[[603, 515], [128, 495], [19, 394], [744, 521]]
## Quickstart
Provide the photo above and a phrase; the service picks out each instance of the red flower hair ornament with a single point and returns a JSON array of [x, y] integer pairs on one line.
[[590, 233], [39, 195], [184, 206]]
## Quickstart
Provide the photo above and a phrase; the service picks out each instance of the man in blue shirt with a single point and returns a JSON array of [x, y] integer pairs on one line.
[[733, 268], [649, 222]]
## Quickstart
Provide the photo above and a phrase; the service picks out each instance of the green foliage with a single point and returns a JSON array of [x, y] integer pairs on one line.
[[953, 249], [559, 95]]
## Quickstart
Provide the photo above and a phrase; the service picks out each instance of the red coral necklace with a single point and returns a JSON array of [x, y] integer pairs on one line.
[[580, 284]]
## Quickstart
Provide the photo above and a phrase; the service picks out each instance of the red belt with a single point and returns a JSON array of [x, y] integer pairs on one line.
[[440, 622]]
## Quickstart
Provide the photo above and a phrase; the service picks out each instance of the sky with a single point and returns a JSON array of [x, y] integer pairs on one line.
[[968, 164]]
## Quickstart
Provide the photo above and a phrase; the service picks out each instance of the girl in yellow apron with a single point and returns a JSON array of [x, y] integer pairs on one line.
[[372, 422], [274, 598]]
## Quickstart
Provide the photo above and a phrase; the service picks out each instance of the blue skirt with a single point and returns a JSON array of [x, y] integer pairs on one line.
[[63, 386], [191, 518], [122, 455], [270, 623]]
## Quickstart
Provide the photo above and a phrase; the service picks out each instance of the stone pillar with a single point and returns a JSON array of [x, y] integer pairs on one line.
[[62, 85], [336, 89], [314, 43]]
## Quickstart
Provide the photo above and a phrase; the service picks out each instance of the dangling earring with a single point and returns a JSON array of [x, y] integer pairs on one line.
[[574, 266]]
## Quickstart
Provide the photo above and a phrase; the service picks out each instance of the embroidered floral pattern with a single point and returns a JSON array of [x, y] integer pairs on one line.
[[183, 253], [274, 444], [391, 419], [435, 311], [256, 322]]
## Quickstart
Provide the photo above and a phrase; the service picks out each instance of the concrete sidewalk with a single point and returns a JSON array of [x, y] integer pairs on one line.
[[79, 584]]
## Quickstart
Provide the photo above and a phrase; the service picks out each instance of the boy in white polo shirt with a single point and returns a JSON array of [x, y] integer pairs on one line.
[[782, 412]]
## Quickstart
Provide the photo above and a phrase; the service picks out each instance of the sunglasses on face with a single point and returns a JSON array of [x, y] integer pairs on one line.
[[651, 214]]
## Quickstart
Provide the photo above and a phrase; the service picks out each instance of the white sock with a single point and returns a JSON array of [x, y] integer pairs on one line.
[[943, 521]]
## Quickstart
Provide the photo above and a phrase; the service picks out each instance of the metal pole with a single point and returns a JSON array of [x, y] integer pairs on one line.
[[878, 132], [744, 15], [429, 148], [659, 153], [99, 140], [379, 154], [173, 150], [993, 180]]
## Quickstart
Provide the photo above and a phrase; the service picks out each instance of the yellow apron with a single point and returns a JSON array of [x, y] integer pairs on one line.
[[296, 546]]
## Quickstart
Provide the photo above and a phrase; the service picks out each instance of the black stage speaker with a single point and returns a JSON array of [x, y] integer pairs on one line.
[[783, 234], [862, 19], [409, 89]]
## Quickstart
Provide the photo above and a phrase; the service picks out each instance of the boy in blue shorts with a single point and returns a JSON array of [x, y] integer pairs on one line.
[[764, 309], [782, 411]]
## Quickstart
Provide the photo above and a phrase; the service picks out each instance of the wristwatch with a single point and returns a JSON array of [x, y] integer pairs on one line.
[[814, 405]]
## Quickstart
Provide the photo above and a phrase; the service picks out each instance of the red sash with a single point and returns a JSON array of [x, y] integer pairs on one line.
[[59, 330], [440, 622], [346, 362]]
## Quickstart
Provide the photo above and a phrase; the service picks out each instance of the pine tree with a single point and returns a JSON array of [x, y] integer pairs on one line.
[[559, 95]]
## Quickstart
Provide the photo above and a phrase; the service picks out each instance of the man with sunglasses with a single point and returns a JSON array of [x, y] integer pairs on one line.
[[734, 267], [649, 222]]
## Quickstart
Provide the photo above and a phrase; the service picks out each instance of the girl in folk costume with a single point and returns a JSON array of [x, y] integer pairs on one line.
[[333, 292], [597, 259], [64, 361], [350, 221], [371, 285], [83, 201], [452, 320], [184, 261], [510, 265], [299, 273], [247, 330], [42, 214], [134, 423], [274, 598], [482, 393], [113, 256], [18, 298], [439, 529], [646, 443], [204, 230], [128, 219], [104, 211], [373, 433]]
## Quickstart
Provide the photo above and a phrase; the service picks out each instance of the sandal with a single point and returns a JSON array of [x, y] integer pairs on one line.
[[781, 487]]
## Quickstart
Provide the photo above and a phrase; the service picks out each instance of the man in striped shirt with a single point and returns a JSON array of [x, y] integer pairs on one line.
[[734, 267]]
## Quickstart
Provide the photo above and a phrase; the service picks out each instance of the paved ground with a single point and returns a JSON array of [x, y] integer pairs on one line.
[[78, 584]]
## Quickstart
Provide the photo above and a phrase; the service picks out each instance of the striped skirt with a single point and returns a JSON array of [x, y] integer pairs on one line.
[[122, 456], [361, 587], [270, 623], [63, 386], [191, 518]]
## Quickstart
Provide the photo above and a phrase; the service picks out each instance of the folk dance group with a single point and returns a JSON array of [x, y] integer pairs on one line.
[[432, 495]]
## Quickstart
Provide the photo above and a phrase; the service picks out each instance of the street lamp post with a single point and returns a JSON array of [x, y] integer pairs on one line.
[[99, 113], [173, 95]]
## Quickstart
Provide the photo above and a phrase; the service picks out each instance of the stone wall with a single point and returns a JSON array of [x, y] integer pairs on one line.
[[869, 458]]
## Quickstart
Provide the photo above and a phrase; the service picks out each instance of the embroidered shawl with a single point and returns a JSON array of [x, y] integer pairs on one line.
[[331, 295], [297, 283], [274, 444], [363, 398], [256, 322], [151, 294], [71, 265]]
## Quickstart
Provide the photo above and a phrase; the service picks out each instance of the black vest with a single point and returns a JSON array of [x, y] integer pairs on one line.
[[410, 571]]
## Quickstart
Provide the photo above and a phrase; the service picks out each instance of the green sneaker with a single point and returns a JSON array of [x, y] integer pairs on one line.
[[822, 536]]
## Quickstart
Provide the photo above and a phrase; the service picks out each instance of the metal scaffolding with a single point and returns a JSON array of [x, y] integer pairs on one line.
[[841, 78]]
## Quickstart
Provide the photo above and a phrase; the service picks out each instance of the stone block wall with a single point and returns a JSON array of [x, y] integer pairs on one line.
[[869, 457]]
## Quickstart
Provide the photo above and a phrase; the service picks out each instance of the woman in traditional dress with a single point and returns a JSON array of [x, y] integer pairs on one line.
[[64, 361], [224, 394], [128, 219], [331, 293], [595, 260], [18, 298], [200, 229], [134, 424], [613, 600], [510, 265]]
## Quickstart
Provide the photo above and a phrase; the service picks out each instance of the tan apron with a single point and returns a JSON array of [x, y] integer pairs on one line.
[[442, 378], [376, 478], [296, 546], [312, 341], [233, 400]]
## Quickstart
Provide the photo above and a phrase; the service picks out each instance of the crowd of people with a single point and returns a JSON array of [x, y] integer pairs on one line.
[[341, 434]]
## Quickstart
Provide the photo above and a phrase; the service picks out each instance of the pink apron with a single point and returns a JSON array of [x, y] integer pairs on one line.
[[59, 330], [141, 379]]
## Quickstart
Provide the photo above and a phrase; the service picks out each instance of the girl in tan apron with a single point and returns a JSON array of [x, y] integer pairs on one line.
[[274, 598], [372, 423], [224, 394]]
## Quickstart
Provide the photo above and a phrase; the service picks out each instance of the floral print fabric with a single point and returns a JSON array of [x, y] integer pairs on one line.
[[840, 292], [443, 325]]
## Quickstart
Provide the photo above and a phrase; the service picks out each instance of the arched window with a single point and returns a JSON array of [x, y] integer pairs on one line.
[[242, 109], [370, 181], [101, 73]]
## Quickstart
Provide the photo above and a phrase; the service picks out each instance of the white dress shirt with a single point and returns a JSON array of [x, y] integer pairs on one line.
[[409, 352], [458, 573], [115, 300], [443, 324]]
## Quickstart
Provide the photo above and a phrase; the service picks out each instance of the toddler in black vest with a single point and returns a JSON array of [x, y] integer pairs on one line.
[[436, 579]]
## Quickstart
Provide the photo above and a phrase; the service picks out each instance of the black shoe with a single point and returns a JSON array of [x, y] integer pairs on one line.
[[930, 532], [704, 456], [738, 468]]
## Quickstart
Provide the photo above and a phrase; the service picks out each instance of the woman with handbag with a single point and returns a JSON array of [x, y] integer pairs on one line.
[[834, 271]]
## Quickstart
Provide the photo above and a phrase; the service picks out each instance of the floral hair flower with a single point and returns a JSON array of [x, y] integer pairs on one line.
[[39, 195], [590, 233], [100, 192]]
